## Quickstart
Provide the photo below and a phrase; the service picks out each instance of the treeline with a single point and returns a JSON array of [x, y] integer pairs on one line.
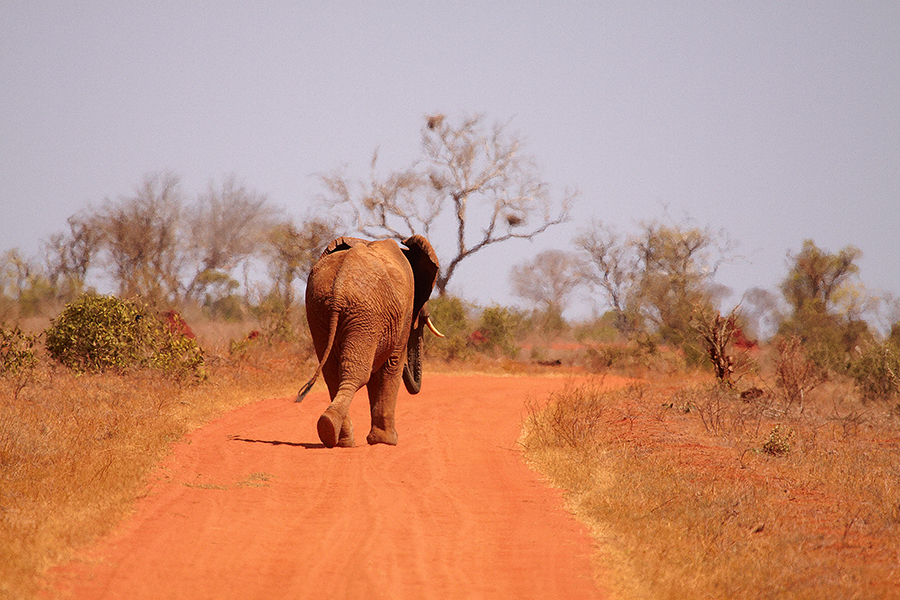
[[169, 251], [230, 254], [659, 283]]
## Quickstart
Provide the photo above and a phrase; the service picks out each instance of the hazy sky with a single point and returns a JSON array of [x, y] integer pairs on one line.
[[775, 121]]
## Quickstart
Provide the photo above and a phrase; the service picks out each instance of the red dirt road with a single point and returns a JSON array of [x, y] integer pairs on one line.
[[252, 506]]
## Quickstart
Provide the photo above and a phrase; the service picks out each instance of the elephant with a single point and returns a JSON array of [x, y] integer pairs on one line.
[[366, 309]]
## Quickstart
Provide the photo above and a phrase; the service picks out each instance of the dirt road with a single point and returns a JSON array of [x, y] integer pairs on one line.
[[252, 506]]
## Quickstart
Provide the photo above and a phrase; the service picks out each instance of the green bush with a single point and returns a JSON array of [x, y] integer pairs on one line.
[[828, 340], [601, 329], [877, 371], [101, 333], [499, 325], [17, 357], [449, 315], [780, 442], [16, 351]]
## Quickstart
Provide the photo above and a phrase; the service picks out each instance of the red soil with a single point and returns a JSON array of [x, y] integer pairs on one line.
[[252, 506]]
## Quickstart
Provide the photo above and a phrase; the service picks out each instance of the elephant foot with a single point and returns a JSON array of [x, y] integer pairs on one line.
[[380, 436], [329, 427], [346, 438]]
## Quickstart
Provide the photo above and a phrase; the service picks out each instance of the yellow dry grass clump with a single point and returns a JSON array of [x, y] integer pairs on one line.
[[75, 450], [693, 491]]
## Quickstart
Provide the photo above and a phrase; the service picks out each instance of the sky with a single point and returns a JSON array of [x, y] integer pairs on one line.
[[771, 121]]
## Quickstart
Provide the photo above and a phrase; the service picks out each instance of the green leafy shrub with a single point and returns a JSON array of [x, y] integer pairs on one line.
[[449, 315], [16, 351], [277, 319], [101, 333], [498, 325], [601, 329], [17, 357], [877, 371], [780, 442]]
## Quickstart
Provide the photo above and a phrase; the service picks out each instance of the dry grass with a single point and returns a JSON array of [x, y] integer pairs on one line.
[[694, 492], [75, 450]]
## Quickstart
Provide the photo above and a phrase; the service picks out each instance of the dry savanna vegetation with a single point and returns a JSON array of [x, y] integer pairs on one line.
[[693, 489], [76, 447]]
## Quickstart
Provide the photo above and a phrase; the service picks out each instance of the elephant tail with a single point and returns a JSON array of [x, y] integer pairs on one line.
[[332, 329]]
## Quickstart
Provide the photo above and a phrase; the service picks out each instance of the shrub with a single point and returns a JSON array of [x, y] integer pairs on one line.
[[795, 375], [877, 371], [278, 320], [498, 325], [605, 356], [601, 329], [16, 350], [17, 358], [829, 340], [779, 442], [449, 315], [570, 419], [100, 333]]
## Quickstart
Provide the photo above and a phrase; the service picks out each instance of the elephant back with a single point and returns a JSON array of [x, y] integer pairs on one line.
[[342, 243]]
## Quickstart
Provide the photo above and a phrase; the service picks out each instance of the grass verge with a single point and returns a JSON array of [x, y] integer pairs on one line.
[[694, 492], [75, 450]]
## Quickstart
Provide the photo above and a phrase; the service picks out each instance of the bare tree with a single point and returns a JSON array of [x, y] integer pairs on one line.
[[68, 256], [227, 225], [492, 190], [293, 251], [393, 207], [141, 239], [17, 272], [548, 280], [761, 311], [608, 268], [717, 333]]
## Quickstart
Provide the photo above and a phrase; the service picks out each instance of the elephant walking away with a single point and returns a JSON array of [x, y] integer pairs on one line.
[[365, 304]]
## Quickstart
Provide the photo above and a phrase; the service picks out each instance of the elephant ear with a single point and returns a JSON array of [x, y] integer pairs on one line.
[[424, 263], [342, 243]]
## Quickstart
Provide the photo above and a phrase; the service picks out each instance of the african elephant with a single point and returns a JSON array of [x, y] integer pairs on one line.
[[365, 304]]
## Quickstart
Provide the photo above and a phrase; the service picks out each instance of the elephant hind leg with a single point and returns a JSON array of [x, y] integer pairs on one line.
[[335, 431], [383, 388], [334, 426], [346, 438], [328, 426], [380, 436]]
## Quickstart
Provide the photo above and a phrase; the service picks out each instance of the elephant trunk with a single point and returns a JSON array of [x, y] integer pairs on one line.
[[415, 348]]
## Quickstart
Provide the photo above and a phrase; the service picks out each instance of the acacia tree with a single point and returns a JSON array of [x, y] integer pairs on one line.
[[813, 288], [657, 278], [816, 276], [470, 175], [675, 275]]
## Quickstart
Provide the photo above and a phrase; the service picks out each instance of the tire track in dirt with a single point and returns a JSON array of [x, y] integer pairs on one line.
[[251, 506]]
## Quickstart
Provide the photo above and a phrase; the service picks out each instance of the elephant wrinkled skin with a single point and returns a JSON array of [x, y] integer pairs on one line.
[[365, 304]]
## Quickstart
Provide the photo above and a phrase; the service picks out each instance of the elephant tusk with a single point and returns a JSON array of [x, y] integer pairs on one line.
[[433, 328]]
